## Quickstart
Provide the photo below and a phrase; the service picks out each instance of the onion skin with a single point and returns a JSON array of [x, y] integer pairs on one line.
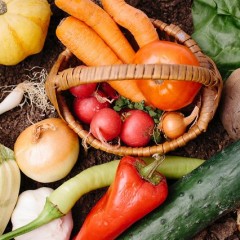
[[47, 151], [173, 125]]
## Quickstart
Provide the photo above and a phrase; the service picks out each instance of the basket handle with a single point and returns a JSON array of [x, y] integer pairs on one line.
[[70, 77], [82, 75]]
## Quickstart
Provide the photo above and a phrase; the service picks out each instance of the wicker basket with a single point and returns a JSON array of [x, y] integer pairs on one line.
[[61, 78]]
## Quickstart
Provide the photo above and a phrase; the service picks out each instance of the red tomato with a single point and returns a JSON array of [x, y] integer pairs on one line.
[[167, 95]]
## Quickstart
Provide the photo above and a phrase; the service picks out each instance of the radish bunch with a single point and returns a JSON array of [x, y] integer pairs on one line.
[[92, 105]]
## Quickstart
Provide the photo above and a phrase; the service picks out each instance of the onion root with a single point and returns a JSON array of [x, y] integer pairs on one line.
[[32, 89]]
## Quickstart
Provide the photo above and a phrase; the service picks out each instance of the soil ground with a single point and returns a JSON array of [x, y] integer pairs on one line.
[[15, 121]]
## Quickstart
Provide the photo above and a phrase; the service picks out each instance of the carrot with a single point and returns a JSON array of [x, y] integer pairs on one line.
[[84, 43], [133, 19], [88, 46], [100, 21]]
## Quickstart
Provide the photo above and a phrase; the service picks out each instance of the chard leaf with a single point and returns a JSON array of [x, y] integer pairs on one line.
[[217, 32]]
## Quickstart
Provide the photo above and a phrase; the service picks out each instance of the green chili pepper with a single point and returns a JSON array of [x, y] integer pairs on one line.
[[62, 199], [175, 167]]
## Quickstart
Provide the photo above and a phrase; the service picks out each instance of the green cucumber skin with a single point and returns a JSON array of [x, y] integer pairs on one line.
[[195, 201]]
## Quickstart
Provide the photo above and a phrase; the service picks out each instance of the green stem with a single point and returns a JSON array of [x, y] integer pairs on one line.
[[49, 213], [148, 172], [3, 7]]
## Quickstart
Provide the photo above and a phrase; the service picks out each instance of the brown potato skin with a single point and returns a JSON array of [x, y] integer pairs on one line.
[[230, 105]]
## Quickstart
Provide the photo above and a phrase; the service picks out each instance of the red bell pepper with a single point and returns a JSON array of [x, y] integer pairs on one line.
[[136, 191]]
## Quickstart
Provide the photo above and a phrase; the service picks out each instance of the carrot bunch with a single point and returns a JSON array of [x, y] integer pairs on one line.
[[93, 35]]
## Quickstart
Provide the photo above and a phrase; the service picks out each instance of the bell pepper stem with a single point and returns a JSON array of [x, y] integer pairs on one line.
[[148, 172]]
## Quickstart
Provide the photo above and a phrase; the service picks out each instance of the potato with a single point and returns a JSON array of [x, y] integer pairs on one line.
[[230, 105]]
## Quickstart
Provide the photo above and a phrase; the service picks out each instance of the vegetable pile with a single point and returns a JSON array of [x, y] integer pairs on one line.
[[77, 30], [195, 200], [145, 198], [81, 35], [62, 199]]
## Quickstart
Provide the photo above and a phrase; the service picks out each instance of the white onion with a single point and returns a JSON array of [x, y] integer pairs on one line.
[[47, 151]]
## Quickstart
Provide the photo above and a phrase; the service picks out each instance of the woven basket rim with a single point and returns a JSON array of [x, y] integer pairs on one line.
[[207, 74], [106, 73]]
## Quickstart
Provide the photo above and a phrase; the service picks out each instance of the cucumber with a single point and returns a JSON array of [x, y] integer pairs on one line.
[[195, 201]]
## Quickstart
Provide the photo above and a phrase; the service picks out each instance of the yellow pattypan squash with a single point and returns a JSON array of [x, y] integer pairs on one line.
[[23, 29]]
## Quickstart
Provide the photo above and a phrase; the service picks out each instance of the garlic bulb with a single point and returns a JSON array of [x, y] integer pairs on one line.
[[29, 205]]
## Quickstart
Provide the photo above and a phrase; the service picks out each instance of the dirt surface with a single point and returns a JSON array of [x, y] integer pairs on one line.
[[15, 121]]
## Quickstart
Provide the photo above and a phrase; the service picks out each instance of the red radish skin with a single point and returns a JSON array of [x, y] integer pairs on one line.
[[86, 108], [84, 90], [106, 125], [109, 91], [137, 128]]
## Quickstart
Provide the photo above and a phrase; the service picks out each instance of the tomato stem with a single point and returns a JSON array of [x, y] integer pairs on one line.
[[3, 7]]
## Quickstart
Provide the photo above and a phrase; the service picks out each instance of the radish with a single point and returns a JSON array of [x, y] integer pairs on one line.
[[84, 90], [85, 108], [137, 128], [110, 92], [106, 125]]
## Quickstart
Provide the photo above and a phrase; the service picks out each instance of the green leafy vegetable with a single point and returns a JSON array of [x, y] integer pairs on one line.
[[123, 103], [217, 32]]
